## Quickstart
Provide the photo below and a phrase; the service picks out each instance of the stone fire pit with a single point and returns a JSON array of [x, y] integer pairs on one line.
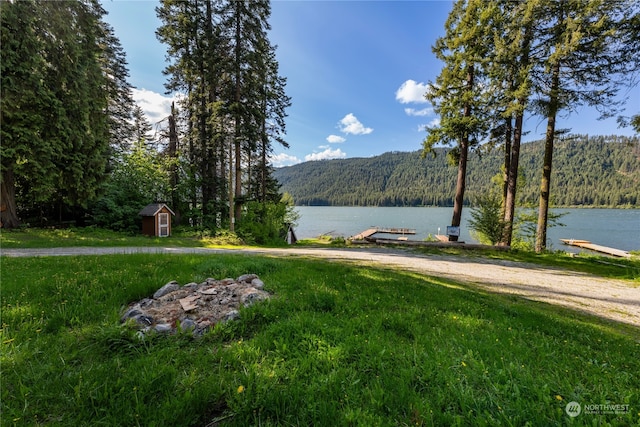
[[194, 307]]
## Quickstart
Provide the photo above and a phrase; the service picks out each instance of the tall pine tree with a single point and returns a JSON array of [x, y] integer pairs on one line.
[[59, 60], [456, 95], [583, 58]]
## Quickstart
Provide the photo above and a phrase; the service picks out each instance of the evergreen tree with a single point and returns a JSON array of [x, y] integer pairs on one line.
[[141, 128], [456, 95], [509, 73], [58, 62], [234, 104], [23, 101], [583, 58]]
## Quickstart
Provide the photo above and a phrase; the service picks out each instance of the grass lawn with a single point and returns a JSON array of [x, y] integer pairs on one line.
[[337, 345], [91, 236]]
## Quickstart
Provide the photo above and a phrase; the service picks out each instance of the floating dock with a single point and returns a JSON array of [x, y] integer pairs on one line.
[[586, 244], [364, 235]]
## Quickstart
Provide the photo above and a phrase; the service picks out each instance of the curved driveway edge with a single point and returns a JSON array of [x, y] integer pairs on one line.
[[607, 298]]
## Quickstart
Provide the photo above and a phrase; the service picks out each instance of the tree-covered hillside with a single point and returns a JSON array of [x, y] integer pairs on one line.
[[588, 171]]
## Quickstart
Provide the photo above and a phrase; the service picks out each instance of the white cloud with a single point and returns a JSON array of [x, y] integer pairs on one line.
[[326, 154], [435, 122], [414, 112], [283, 159], [351, 125], [335, 139], [412, 91], [155, 106]]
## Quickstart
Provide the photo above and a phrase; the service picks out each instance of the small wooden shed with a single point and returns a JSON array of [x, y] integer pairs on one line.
[[156, 220]]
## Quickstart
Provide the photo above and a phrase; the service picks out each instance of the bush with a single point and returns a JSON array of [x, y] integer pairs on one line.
[[487, 219], [263, 222]]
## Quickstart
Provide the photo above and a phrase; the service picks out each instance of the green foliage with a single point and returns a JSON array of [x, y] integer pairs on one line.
[[60, 62], [487, 218], [233, 110], [635, 122], [338, 345], [263, 222], [139, 178], [291, 215], [526, 223], [588, 171]]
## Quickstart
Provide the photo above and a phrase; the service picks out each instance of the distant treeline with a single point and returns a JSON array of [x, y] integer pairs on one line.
[[595, 171]]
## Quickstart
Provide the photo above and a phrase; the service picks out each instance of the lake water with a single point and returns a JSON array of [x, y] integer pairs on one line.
[[617, 228]]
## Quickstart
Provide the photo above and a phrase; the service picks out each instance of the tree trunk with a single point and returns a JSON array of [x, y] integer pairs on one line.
[[512, 181], [8, 210], [173, 154], [508, 136], [460, 186], [545, 183], [235, 207], [462, 164]]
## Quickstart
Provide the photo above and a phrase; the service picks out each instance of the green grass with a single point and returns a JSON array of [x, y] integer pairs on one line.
[[91, 236], [337, 345]]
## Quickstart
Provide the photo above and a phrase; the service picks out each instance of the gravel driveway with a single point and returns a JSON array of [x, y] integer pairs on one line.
[[612, 299]]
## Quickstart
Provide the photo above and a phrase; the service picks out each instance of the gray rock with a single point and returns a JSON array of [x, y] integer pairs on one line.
[[231, 315], [144, 320], [166, 289], [247, 278], [251, 296], [163, 328], [187, 324], [132, 312], [146, 302], [191, 285], [257, 283]]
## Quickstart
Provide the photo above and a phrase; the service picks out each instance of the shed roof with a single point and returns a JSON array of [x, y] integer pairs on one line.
[[153, 208]]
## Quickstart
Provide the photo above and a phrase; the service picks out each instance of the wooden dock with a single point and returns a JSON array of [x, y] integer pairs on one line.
[[586, 244], [364, 235]]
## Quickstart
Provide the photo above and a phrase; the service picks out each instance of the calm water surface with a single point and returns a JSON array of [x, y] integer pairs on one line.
[[617, 228]]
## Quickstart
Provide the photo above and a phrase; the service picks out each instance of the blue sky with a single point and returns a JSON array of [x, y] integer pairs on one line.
[[356, 72]]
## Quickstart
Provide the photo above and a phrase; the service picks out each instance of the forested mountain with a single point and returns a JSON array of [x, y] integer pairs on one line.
[[588, 171]]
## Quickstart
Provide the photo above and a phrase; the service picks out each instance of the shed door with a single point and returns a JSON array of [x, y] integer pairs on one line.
[[163, 224]]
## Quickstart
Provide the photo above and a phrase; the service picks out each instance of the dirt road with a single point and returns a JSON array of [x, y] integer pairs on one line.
[[612, 299]]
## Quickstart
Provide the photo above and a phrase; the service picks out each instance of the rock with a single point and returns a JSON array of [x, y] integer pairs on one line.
[[189, 303], [143, 320], [163, 328], [257, 283], [252, 295], [187, 324], [194, 307], [145, 302], [246, 278], [166, 289], [191, 285], [130, 313], [231, 315]]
